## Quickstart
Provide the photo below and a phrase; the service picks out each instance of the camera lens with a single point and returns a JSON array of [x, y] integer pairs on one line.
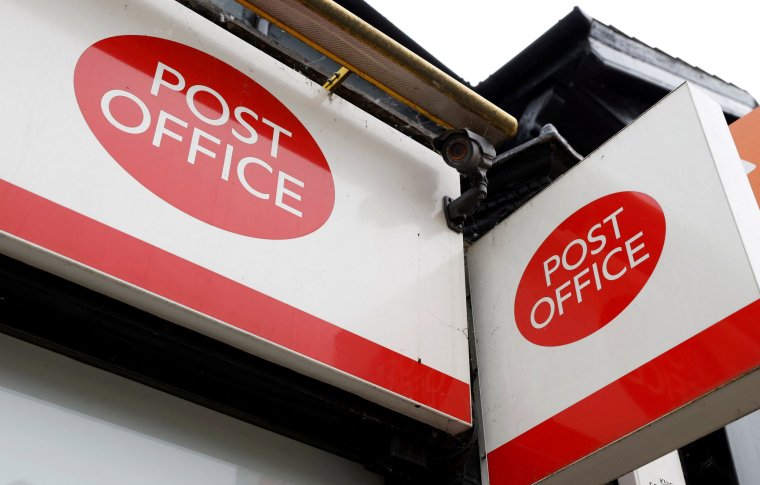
[[457, 150], [461, 153]]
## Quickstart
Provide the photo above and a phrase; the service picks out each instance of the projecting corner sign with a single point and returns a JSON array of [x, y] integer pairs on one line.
[[590, 268], [613, 311], [217, 188]]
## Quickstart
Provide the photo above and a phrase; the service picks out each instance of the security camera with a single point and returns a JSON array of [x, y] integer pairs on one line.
[[467, 152], [471, 155]]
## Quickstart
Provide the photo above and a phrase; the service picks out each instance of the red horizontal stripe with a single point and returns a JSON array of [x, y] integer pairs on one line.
[[101, 247], [688, 371]]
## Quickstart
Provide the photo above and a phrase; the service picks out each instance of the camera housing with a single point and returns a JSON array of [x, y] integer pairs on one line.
[[471, 155]]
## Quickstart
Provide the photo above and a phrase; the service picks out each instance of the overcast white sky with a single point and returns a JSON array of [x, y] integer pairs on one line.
[[720, 37]]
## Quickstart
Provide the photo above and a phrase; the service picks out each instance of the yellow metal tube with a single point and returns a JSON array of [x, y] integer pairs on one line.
[[409, 64]]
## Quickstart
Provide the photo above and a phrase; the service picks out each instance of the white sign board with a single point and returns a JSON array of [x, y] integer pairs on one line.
[[665, 470], [610, 307], [155, 157]]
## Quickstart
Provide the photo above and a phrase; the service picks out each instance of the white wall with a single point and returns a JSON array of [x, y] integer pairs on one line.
[[66, 423]]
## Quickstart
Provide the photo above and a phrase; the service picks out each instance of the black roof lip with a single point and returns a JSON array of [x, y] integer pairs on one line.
[[578, 35]]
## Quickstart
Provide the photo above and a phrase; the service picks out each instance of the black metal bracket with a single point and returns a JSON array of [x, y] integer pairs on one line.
[[458, 209]]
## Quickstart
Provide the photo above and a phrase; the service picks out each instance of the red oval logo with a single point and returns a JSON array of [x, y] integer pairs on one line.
[[590, 269], [204, 137]]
